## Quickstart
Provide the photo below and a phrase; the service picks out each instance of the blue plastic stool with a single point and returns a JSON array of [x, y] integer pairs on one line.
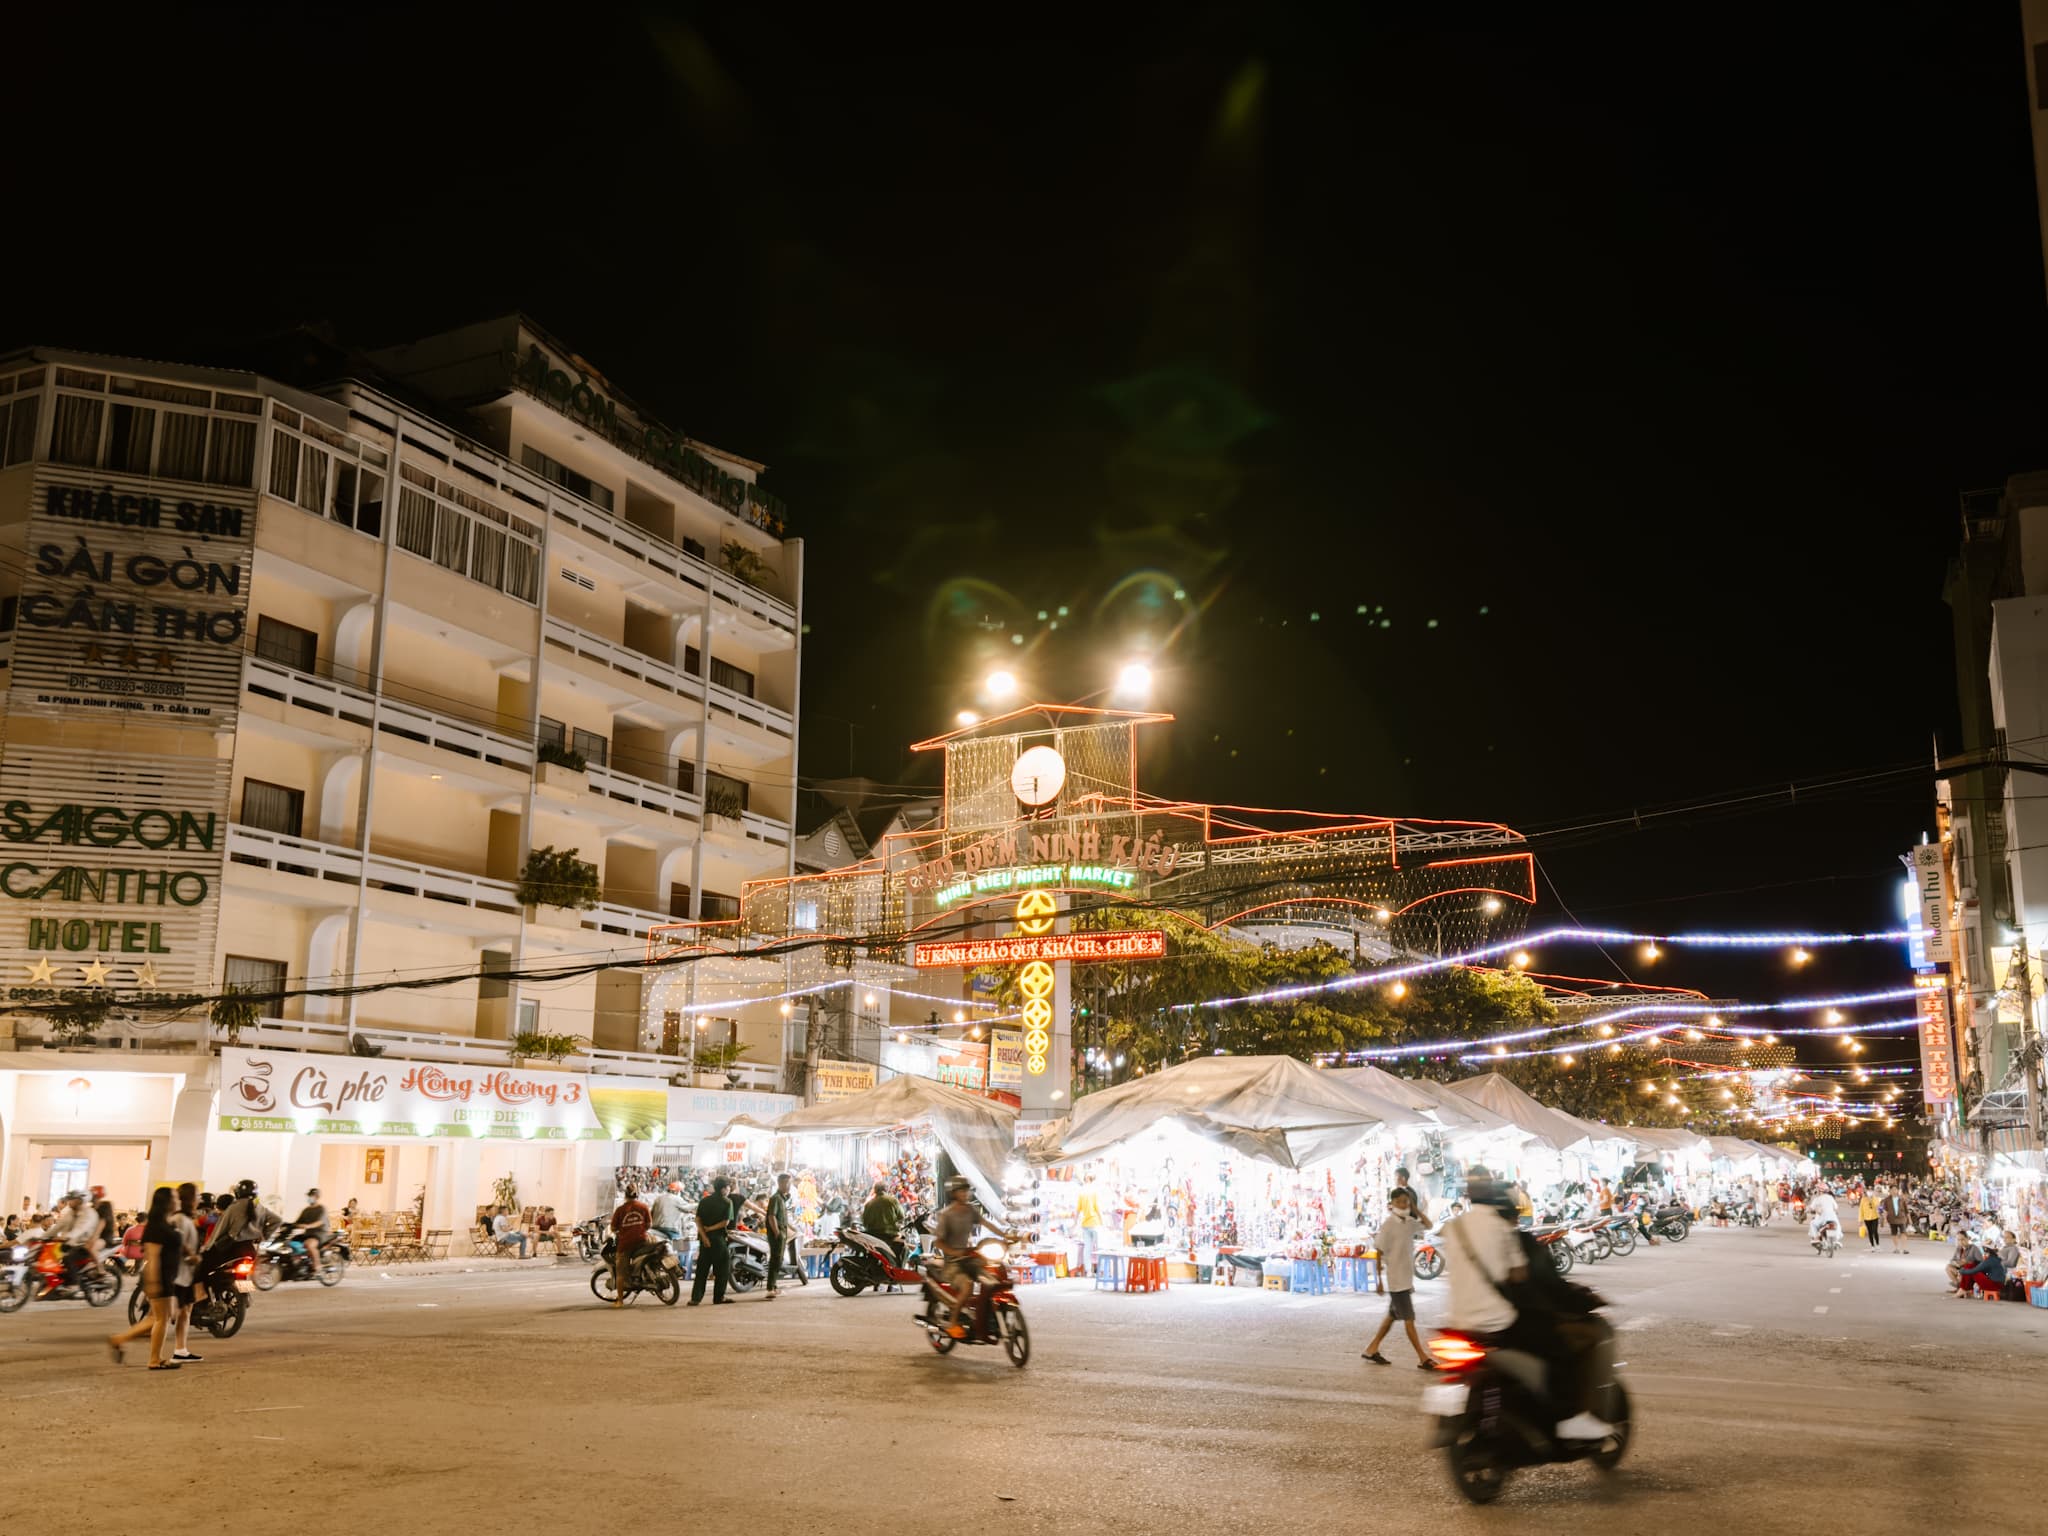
[[1042, 1274], [1308, 1277], [1353, 1274], [817, 1265], [1109, 1272]]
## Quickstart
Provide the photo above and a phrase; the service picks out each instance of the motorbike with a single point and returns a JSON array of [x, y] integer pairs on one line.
[[40, 1266], [223, 1307], [1828, 1242], [591, 1238], [1429, 1260], [749, 1251], [860, 1259], [14, 1276], [283, 1258], [654, 1269], [1750, 1216], [1621, 1234], [1493, 1414], [1671, 1221], [1557, 1243], [991, 1315]]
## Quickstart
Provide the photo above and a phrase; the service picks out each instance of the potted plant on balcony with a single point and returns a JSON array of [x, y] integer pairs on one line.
[[77, 1019], [233, 1013], [555, 885], [742, 562], [722, 808], [720, 1063], [560, 767], [538, 1045]]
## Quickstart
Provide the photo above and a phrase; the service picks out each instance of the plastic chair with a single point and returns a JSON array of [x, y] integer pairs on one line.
[[1308, 1277], [1109, 1271]]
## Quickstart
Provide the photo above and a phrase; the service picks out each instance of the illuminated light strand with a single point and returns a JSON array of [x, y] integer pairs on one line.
[[1559, 936], [1651, 1010], [1653, 1036], [826, 986]]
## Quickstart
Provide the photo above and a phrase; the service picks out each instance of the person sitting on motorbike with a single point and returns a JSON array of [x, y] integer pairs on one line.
[[76, 1225], [953, 1237], [882, 1217], [235, 1236], [1493, 1297], [667, 1214], [310, 1231], [1820, 1213]]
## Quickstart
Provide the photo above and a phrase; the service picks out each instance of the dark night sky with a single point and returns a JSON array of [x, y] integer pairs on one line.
[[1646, 361]]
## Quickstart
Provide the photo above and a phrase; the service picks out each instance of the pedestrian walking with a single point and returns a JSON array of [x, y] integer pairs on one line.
[[1866, 1212], [1895, 1216], [184, 1289], [714, 1238], [780, 1227], [162, 1248], [1396, 1244]]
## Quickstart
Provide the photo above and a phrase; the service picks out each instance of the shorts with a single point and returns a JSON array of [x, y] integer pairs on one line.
[[184, 1295], [1897, 1228], [1401, 1306]]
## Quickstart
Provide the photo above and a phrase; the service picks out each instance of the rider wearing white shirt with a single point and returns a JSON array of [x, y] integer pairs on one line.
[[1477, 1305], [1820, 1210]]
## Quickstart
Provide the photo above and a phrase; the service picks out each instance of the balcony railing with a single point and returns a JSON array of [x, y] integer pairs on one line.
[[777, 722], [672, 561], [626, 661], [645, 793], [254, 847], [345, 701]]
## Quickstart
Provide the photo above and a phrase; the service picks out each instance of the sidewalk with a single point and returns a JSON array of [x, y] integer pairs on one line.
[[473, 1263]]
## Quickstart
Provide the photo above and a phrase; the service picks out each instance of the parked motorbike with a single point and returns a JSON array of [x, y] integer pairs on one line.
[[750, 1251], [591, 1236], [40, 1265], [1621, 1234], [860, 1259], [1494, 1414], [284, 1258], [1429, 1261], [221, 1309], [991, 1315], [1671, 1221], [654, 1269]]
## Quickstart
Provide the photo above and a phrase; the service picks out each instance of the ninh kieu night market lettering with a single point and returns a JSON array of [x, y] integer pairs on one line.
[[1086, 848], [1046, 874]]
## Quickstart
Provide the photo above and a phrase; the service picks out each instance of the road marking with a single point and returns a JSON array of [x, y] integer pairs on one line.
[[1820, 1309], [1834, 1290], [280, 1408]]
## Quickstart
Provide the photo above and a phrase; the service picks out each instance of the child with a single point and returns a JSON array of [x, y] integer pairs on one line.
[[1396, 1243]]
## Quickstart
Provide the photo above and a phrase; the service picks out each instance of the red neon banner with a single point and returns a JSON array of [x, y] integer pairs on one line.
[[1138, 944]]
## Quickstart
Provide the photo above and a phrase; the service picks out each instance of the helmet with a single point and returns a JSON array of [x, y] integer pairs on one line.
[[74, 1194], [955, 1184], [675, 1186], [246, 1190], [1482, 1188]]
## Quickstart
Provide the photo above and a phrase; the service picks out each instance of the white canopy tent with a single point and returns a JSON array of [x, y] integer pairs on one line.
[[977, 1133], [1686, 1148], [1273, 1108], [1453, 1111], [1741, 1156], [1552, 1128]]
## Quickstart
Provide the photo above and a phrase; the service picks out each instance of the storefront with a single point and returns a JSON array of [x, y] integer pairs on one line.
[[78, 1126]]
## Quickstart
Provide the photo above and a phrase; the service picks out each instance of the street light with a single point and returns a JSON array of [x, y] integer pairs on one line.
[[1000, 684], [1490, 906], [966, 717], [1134, 682]]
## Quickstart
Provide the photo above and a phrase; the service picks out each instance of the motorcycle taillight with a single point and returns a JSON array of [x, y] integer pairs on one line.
[[1455, 1352]]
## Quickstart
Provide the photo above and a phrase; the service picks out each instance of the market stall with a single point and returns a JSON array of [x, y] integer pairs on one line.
[[1561, 1150]]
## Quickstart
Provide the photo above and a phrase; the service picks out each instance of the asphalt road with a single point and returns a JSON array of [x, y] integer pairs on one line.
[[1773, 1388]]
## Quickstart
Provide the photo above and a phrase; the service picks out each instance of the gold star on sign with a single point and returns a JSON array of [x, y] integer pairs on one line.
[[145, 974], [40, 974], [130, 657], [96, 973], [94, 655], [166, 662]]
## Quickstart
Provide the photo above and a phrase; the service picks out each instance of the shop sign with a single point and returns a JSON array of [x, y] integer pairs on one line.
[[843, 1079], [1047, 853], [1133, 944], [1930, 883], [1937, 1047], [963, 1069], [735, 1151], [1009, 1060], [310, 1094]]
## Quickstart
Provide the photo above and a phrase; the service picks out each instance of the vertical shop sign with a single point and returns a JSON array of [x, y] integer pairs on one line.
[[1930, 883], [1937, 1047]]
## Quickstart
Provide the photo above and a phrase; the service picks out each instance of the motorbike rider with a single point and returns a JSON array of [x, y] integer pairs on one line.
[[1490, 1263], [953, 1237], [629, 1230], [1820, 1212], [244, 1224], [668, 1213], [882, 1217], [309, 1232], [76, 1226]]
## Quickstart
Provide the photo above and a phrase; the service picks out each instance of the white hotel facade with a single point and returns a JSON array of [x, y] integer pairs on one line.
[[297, 681]]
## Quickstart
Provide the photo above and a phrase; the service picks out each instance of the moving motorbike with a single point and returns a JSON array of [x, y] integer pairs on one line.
[[38, 1270], [654, 1269], [221, 1309], [1429, 1261], [1828, 1241], [991, 1315], [15, 1284], [284, 1258], [1494, 1414], [860, 1259]]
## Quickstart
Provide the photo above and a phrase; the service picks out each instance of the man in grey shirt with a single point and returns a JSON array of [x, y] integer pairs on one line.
[[953, 1236]]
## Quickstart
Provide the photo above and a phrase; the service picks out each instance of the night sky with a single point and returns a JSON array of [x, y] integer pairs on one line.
[[1538, 423]]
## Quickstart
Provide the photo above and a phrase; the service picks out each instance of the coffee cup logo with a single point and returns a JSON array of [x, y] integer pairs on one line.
[[254, 1087]]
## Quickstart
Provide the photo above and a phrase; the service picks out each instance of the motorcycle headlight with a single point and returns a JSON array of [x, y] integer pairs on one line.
[[993, 1251]]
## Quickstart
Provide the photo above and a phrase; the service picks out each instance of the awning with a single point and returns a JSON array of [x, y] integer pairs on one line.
[[1453, 1111], [977, 1133], [1654, 1138], [1552, 1127]]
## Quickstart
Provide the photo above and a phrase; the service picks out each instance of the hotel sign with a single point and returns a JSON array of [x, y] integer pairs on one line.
[[1133, 944]]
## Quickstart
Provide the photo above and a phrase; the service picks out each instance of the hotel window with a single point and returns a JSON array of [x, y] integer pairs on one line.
[[273, 807], [460, 531], [247, 973], [726, 675], [557, 473], [169, 431], [286, 644], [720, 909]]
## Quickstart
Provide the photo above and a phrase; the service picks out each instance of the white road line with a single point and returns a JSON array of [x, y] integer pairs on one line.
[[1820, 1309], [280, 1408], [1834, 1290]]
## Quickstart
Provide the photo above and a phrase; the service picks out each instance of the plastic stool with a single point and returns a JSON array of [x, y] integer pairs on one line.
[[1308, 1276], [1109, 1272], [1147, 1274]]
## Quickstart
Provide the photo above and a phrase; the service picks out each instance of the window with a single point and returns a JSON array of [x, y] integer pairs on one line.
[[286, 644], [460, 531], [169, 431], [489, 987], [686, 775], [557, 473], [720, 909], [595, 748], [726, 675], [678, 901], [552, 733], [325, 472], [246, 973], [75, 431], [803, 916], [273, 807], [694, 547], [18, 417]]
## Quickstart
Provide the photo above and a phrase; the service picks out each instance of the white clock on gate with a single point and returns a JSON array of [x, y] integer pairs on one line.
[[1037, 778]]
